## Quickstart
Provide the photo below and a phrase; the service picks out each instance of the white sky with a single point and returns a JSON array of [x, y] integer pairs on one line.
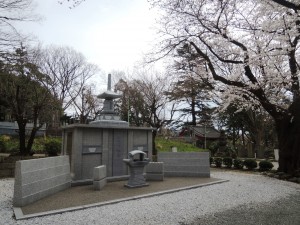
[[113, 34]]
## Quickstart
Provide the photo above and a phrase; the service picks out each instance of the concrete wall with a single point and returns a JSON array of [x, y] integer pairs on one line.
[[39, 178], [155, 171], [191, 164]]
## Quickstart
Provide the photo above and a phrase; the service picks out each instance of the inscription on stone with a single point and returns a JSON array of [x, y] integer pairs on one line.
[[118, 152]]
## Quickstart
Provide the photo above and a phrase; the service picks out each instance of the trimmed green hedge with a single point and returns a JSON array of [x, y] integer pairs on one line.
[[238, 164], [265, 165], [250, 164], [227, 161], [218, 161]]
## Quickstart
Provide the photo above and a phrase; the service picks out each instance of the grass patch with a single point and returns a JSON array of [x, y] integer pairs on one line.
[[164, 145]]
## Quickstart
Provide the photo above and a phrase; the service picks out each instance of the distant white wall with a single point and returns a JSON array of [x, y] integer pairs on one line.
[[11, 128], [39, 178]]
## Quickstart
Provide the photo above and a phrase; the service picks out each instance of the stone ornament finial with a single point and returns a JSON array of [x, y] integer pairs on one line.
[[109, 82]]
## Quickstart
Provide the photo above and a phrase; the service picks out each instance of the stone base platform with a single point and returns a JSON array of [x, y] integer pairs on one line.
[[81, 197]]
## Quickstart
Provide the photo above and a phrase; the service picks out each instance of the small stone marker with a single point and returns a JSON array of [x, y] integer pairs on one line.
[[99, 177]]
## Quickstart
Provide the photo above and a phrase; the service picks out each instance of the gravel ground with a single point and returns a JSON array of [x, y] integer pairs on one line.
[[285, 211], [245, 199]]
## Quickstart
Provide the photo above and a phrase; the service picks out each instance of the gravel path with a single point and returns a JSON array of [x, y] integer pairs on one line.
[[285, 211], [245, 199]]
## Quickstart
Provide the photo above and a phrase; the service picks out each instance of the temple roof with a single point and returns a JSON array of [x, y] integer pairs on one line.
[[208, 131]]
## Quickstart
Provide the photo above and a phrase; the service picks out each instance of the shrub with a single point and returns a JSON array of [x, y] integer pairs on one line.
[[52, 147], [213, 147], [227, 161], [218, 161], [265, 165], [250, 164], [39, 145], [211, 160], [154, 158], [229, 151], [238, 164], [2, 144]]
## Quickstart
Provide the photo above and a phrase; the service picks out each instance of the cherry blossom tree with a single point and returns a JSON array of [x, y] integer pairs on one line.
[[250, 49]]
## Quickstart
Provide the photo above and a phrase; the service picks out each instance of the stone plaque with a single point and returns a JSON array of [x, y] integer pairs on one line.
[[92, 149], [119, 147]]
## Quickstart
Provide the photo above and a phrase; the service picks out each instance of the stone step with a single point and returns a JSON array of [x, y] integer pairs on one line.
[[155, 167]]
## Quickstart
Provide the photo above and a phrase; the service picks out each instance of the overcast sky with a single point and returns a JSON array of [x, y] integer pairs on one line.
[[113, 34]]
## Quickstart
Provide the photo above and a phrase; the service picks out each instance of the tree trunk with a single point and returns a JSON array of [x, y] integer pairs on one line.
[[154, 150], [244, 151], [258, 144], [31, 139], [234, 137], [288, 131], [193, 111], [22, 138]]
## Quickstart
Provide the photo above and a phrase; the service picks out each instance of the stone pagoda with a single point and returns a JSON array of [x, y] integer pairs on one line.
[[108, 116], [105, 141]]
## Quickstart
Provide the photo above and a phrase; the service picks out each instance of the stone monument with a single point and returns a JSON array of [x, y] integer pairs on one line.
[[136, 163], [108, 116], [105, 141]]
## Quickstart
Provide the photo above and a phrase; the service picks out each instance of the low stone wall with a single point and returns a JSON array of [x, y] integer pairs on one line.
[[155, 171], [39, 178], [191, 164]]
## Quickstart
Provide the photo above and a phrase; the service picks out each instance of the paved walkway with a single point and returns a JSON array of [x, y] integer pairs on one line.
[[85, 196]]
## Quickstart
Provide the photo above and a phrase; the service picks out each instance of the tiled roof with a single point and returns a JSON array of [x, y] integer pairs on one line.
[[209, 131]]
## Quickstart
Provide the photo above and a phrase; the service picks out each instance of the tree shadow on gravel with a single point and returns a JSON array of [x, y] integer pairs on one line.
[[284, 212]]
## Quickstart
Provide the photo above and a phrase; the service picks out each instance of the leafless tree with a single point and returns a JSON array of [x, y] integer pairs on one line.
[[72, 3], [69, 73], [145, 101], [87, 105], [13, 12]]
